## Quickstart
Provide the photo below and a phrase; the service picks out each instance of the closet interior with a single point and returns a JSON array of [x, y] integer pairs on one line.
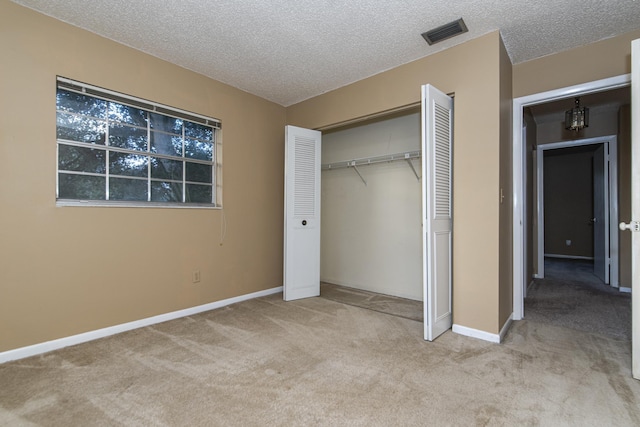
[[371, 206]]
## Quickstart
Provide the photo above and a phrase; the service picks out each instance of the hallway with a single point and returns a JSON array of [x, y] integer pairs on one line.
[[572, 296]]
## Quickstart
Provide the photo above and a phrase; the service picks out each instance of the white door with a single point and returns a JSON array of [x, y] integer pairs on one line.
[[634, 225], [302, 213], [437, 135], [600, 220]]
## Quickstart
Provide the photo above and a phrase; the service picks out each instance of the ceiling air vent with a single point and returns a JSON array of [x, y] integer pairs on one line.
[[445, 31]]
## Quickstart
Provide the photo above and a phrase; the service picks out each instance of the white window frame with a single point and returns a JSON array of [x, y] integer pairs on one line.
[[152, 107]]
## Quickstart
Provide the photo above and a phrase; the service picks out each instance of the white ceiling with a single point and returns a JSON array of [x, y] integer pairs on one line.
[[290, 50]]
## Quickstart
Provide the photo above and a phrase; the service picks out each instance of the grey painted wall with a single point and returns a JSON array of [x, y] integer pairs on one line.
[[568, 201]]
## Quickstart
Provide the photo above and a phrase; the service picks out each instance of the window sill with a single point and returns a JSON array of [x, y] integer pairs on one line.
[[126, 204]]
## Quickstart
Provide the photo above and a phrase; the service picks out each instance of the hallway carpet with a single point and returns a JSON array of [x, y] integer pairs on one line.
[[317, 362], [571, 296]]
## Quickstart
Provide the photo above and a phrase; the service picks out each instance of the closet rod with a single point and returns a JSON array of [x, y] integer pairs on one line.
[[407, 155]]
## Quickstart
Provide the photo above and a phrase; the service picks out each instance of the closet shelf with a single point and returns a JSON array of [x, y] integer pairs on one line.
[[354, 163]]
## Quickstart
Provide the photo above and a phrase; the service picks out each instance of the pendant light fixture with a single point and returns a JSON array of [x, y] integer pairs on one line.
[[577, 117]]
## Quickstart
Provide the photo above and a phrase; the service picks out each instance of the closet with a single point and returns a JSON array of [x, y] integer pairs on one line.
[[371, 206], [388, 231]]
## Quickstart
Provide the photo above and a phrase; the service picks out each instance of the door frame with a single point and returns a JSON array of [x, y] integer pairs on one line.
[[612, 202], [518, 168]]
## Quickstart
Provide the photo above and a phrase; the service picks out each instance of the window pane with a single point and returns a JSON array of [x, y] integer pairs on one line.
[[128, 164], [164, 123], [81, 187], [125, 114], [128, 137], [139, 152], [166, 192], [198, 193], [80, 129], [198, 150], [198, 172], [169, 145], [166, 169], [80, 159], [81, 104], [127, 189], [194, 130]]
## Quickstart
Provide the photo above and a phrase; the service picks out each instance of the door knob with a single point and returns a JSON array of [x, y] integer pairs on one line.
[[633, 226]]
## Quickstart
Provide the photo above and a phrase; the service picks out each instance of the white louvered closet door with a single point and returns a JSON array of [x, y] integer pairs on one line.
[[302, 213], [437, 225]]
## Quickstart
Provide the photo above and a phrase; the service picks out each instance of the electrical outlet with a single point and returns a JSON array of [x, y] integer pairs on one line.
[[195, 276]]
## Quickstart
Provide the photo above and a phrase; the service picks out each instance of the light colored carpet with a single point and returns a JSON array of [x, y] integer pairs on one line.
[[318, 362], [571, 296], [402, 307]]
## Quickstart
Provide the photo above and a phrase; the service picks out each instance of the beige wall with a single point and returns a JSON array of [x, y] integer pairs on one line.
[[69, 270], [601, 60], [506, 187], [471, 71], [372, 235], [60, 274]]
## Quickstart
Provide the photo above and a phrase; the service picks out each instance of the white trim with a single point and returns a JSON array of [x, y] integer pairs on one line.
[[476, 333], [635, 207], [33, 350], [588, 258], [519, 240], [61, 203], [524, 203], [624, 289]]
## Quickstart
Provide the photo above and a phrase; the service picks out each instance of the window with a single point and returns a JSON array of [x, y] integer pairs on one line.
[[114, 149]]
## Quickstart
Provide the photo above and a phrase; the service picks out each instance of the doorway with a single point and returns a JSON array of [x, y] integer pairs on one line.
[[580, 220], [521, 272]]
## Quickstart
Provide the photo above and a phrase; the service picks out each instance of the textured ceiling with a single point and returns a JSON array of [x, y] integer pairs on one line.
[[289, 50]]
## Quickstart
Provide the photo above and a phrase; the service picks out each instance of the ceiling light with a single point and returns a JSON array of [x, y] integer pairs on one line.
[[577, 117], [445, 31]]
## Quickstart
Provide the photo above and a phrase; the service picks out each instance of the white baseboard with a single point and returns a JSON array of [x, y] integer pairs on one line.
[[623, 289], [476, 333], [568, 256], [33, 350]]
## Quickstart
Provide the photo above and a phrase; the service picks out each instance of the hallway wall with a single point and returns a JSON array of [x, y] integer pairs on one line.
[[568, 203]]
